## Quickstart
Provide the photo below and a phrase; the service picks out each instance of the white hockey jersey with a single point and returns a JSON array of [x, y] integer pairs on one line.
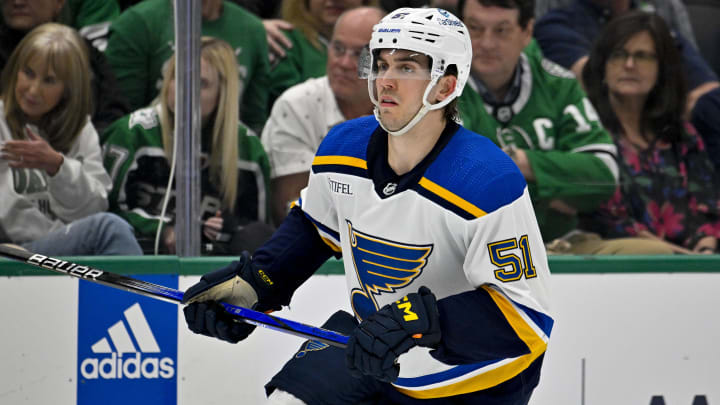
[[460, 223]]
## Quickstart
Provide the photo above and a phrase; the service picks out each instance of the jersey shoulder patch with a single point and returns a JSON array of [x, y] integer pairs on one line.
[[472, 176], [147, 118], [345, 146]]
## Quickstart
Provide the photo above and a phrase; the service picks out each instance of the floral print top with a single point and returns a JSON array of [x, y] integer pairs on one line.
[[668, 189]]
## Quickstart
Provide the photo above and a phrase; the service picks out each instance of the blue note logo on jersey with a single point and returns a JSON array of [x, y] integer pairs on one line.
[[382, 266], [127, 346], [311, 346]]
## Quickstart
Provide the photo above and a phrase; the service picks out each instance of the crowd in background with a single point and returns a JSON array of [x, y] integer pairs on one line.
[[609, 109]]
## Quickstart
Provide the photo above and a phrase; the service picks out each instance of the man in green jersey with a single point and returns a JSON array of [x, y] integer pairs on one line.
[[538, 113], [142, 39]]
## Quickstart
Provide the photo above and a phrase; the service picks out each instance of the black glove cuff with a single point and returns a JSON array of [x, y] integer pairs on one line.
[[270, 297]]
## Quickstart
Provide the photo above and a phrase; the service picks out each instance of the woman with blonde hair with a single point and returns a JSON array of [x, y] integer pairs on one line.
[[52, 180], [235, 168]]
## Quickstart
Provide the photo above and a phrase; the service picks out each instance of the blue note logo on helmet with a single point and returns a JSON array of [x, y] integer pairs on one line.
[[429, 31]]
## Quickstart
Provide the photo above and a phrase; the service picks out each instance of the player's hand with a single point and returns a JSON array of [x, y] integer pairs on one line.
[[391, 331], [206, 317], [209, 318]]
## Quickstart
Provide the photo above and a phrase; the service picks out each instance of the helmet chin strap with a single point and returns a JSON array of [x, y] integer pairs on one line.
[[426, 107], [418, 116]]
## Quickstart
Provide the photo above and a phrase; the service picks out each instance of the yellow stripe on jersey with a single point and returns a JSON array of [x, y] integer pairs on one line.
[[327, 241], [451, 197], [497, 375], [340, 160], [332, 244]]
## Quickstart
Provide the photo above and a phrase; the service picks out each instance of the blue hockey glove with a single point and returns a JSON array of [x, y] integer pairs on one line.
[[233, 284], [394, 329]]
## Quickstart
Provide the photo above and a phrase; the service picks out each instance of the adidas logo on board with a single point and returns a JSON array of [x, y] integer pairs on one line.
[[126, 358]]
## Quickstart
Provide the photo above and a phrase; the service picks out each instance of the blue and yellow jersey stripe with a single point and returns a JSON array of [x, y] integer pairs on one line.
[[344, 149], [463, 379], [340, 164], [447, 199], [329, 236], [472, 177]]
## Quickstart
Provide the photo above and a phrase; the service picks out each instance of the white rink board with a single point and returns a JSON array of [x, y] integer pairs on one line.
[[641, 335]]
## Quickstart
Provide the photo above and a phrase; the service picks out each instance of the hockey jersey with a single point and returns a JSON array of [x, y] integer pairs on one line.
[[460, 223], [135, 159], [552, 119]]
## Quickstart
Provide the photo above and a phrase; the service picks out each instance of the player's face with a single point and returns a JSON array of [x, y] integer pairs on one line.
[[632, 70], [402, 77], [38, 89], [25, 15], [497, 38], [209, 90], [328, 11], [347, 42]]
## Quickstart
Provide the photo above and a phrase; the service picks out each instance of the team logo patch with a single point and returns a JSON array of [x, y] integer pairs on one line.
[[390, 189], [382, 266], [311, 346]]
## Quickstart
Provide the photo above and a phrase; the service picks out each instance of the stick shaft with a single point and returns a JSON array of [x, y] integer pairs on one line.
[[171, 295]]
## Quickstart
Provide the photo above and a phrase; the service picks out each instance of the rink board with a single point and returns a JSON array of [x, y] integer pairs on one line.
[[620, 337]]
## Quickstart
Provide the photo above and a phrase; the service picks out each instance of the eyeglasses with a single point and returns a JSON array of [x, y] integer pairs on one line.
[[340, 49], [640, 57]]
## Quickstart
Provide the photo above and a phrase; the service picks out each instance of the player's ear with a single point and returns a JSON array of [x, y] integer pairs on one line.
[[445, 87]]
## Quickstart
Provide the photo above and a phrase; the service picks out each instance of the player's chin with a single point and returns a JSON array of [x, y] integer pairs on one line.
[[391, 124]]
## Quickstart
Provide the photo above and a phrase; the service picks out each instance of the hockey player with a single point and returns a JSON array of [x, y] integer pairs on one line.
[[536, 111], [445, 267]]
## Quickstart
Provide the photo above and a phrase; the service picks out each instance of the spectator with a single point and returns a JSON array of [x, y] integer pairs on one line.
[[19, 17], [566, 36], [142, 39], [303, 114], [235, 169], [91, 17], [538, 113], [668, 189], [313, 21], [52, 181]]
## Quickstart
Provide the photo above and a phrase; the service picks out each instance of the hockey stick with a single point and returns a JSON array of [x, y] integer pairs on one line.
[[171, 295]]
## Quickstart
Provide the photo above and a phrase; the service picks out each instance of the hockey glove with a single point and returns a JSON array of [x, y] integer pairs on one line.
[[394, 329], [233, 284]]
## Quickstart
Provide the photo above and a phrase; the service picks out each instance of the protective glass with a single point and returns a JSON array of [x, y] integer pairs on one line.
[[403, 69]]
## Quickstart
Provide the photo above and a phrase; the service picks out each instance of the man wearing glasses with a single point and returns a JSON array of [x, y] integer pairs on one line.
[[538, 113], [302, 115]]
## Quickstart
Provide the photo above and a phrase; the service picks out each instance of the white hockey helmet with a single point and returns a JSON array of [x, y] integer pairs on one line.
[[430, 31]]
